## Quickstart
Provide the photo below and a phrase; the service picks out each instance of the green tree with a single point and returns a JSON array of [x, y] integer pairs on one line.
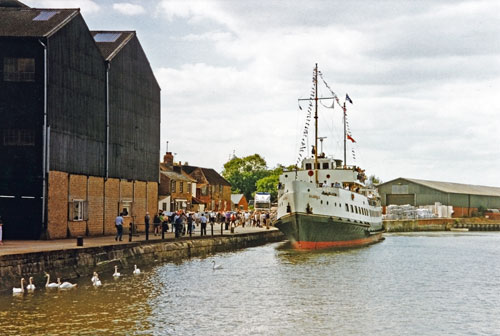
[[270, 183], [373, 181], [243, 173]]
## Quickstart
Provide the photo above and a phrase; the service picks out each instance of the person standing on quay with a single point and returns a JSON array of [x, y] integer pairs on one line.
[[119, 227], [146, 223], [203, 221], [156, 223]]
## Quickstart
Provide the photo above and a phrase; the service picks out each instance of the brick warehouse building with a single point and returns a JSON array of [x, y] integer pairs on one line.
[[80, 133]]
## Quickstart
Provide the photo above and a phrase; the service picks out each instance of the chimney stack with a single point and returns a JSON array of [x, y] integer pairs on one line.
[[168, 160]]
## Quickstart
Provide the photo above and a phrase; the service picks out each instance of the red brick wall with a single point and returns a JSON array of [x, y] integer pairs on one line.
[[95, 205], [64, 188], [112, 189], [57, 204]]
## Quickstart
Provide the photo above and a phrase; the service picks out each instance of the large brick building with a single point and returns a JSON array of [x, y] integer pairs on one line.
[[79, 137]]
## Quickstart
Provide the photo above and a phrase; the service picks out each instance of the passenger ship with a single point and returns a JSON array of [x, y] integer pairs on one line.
[[325, 204]]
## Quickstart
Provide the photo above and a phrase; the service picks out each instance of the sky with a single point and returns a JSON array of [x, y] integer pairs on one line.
[[424, 78]]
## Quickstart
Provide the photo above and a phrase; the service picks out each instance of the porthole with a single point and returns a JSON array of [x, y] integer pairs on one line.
[[327, 203], [321, 201], [286, 175], [308, 190]]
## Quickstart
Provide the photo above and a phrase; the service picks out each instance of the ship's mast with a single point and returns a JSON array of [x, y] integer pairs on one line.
[[345, 138], [316, 122], [315, 80]]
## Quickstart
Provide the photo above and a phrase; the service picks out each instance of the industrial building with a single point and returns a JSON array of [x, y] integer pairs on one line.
[[464, 198], [80, 131]]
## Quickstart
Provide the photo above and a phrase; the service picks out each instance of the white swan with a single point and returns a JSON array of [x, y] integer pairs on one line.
[[52, 284], [65, 284], [216, 267], [30, 286], [95, 280], [16, 290], [116, 274], [136, 270], [94, 277]]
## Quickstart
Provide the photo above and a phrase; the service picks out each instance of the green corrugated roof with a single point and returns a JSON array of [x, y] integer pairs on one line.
[[455, 188]]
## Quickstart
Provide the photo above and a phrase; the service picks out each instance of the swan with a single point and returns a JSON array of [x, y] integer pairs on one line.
[[19, 290], [52, 284], [116, 274], [95, 280], [94, 277], [136, 270], [216, 267], [65, 284], [30, 286]]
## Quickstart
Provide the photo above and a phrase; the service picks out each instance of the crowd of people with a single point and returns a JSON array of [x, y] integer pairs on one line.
[[182, 222]]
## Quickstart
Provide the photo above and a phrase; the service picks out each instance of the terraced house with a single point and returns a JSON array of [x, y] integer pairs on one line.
[[80, 131]]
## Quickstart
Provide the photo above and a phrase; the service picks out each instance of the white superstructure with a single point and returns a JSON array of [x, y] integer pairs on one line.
[[339, 192]]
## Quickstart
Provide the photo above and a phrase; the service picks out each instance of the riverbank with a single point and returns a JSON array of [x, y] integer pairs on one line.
[[441, 224], [62, 258]]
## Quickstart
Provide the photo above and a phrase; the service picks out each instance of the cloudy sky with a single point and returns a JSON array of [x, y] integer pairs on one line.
[[424, 77]]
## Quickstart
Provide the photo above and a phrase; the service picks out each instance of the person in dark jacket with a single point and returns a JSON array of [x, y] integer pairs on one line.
[[156, 222]]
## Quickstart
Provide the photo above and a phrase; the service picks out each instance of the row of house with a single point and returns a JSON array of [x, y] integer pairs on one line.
[[191, 188]]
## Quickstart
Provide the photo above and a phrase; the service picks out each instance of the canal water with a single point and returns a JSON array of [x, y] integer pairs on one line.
[[409, 284]]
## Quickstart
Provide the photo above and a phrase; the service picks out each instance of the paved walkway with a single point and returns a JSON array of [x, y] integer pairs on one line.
[[28, 246]]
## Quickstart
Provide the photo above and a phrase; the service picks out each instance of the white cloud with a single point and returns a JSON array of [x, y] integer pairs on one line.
[[128, 8], [196, 11], [86, 6]]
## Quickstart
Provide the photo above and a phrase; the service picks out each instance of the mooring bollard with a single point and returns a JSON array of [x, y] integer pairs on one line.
[[130, 231], [79, 241], [221, 229], [212, 228], [163, 231]]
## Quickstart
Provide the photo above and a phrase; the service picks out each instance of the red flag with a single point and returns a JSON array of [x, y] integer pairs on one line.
[[350, 138]]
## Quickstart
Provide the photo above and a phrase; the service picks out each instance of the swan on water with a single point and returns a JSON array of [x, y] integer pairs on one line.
[[16, 290], [30, 286], [52, 284], [216, 267], [65, 284], [95, 280], [116, 274], [94, 277], [136, 270]]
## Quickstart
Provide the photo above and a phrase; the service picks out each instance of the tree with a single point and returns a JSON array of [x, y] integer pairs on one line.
[[243, 173], [270, 183], [373, 181]]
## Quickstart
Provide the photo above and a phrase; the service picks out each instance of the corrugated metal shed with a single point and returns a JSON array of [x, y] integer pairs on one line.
[[456, 188]]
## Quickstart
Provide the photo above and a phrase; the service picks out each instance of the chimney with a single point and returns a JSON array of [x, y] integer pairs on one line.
[[168, 160]]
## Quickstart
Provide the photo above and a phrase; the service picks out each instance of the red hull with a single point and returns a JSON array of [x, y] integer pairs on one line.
[[307, 245]]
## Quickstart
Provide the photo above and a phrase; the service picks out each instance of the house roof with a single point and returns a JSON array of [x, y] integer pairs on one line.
[[211, 175], [236, 198], [33, 22], [110, 42], [454, 188], [176, 176]]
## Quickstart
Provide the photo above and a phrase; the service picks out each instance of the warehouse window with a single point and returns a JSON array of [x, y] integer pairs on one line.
[[78, 210], [18, 137], [125, 208], [18, 69]]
